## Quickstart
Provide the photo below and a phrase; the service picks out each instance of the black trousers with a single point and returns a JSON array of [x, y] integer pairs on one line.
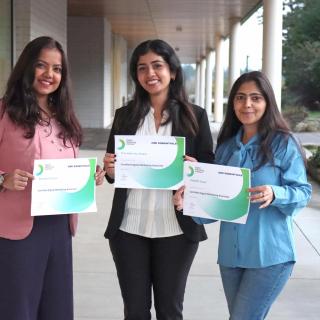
[[161, 264], [36, 273]]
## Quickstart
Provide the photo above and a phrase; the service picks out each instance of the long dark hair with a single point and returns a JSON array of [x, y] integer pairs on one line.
[[270, 125], [20, 102], [179, 109]]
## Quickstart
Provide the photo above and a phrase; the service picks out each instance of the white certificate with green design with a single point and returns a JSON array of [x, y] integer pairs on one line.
[[216, 192], [149, 162], [63, 186]]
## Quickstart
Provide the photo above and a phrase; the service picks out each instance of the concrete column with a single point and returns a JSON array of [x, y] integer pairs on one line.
[[197, 85], [108, 112], [34, 18], [234, 62], [5, 47], [119, 71], [272, 45], [92, 82], [218, 94], [209, 72], [202, 82]]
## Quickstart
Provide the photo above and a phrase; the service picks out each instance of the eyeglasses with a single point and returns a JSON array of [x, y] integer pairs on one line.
[[254, 97]]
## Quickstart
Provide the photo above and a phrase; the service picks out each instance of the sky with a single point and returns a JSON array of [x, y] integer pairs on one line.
[[250, 50], [251, 41]]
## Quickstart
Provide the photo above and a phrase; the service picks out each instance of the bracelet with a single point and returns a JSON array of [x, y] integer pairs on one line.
[[2, 188]]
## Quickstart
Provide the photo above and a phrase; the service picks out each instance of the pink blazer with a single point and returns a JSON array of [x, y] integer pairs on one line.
[[16, 152]]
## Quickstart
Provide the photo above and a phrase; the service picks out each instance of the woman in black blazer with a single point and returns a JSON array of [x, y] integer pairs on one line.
[[152, 246]]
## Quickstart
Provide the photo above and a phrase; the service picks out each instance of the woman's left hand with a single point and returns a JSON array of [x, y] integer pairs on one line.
[[262, 194], [99, 175], [188, 158]]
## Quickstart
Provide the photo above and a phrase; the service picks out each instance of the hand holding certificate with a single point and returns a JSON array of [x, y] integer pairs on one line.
[[149, 162], [216, 192], [63, 186]]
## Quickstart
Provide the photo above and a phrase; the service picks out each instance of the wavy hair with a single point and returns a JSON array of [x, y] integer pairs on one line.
[[20, 102], [179, 109]]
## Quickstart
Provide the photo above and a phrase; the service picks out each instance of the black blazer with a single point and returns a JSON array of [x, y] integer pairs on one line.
[[199, 147]]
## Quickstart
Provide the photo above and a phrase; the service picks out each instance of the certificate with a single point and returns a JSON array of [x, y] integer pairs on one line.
[[63, 186], [149, 162], [216, 192]]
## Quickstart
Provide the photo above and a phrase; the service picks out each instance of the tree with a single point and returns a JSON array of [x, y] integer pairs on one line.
[[301, 51]]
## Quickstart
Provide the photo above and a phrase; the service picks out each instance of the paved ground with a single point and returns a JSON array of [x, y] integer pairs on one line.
[[309, 137], [97, 294]]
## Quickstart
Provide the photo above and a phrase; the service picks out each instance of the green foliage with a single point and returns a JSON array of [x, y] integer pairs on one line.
[[314, 115], [315, 158], [301, 51], [294, 115], [311, 147]]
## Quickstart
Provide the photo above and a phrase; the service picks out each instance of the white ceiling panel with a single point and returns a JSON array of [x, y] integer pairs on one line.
[[188, 25]]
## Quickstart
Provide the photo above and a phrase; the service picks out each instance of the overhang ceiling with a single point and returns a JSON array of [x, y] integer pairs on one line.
[[188, 25]]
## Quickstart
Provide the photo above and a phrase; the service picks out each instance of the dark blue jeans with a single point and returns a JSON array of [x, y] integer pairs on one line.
[[251, 292], [36, 273]]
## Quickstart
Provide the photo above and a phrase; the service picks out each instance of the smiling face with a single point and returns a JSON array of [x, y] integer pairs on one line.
[[249, 105], [47, 73], [153, 74]]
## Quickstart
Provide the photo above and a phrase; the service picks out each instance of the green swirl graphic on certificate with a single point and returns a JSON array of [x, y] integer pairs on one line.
[[216, 192], [63, 186], [149, 162]]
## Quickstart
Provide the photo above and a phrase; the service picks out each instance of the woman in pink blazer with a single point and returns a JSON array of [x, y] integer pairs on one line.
[[37, 121]]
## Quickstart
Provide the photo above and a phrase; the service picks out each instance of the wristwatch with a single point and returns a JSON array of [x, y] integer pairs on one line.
[[1, 181]]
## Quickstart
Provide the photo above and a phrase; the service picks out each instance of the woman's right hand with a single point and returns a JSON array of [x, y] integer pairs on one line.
[[109, 160], [178, 198], [17, 180]]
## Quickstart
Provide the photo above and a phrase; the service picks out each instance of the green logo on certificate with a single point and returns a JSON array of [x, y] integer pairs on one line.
[[191, 171], [40, 170], [122, 144]]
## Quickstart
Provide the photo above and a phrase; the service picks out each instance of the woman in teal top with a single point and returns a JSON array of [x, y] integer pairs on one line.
[[257, 258], [266, 239]]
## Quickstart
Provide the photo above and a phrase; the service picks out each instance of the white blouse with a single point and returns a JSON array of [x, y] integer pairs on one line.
[[150, 213]]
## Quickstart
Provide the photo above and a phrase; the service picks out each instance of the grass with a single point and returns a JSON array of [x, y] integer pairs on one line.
[[313, 114]]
